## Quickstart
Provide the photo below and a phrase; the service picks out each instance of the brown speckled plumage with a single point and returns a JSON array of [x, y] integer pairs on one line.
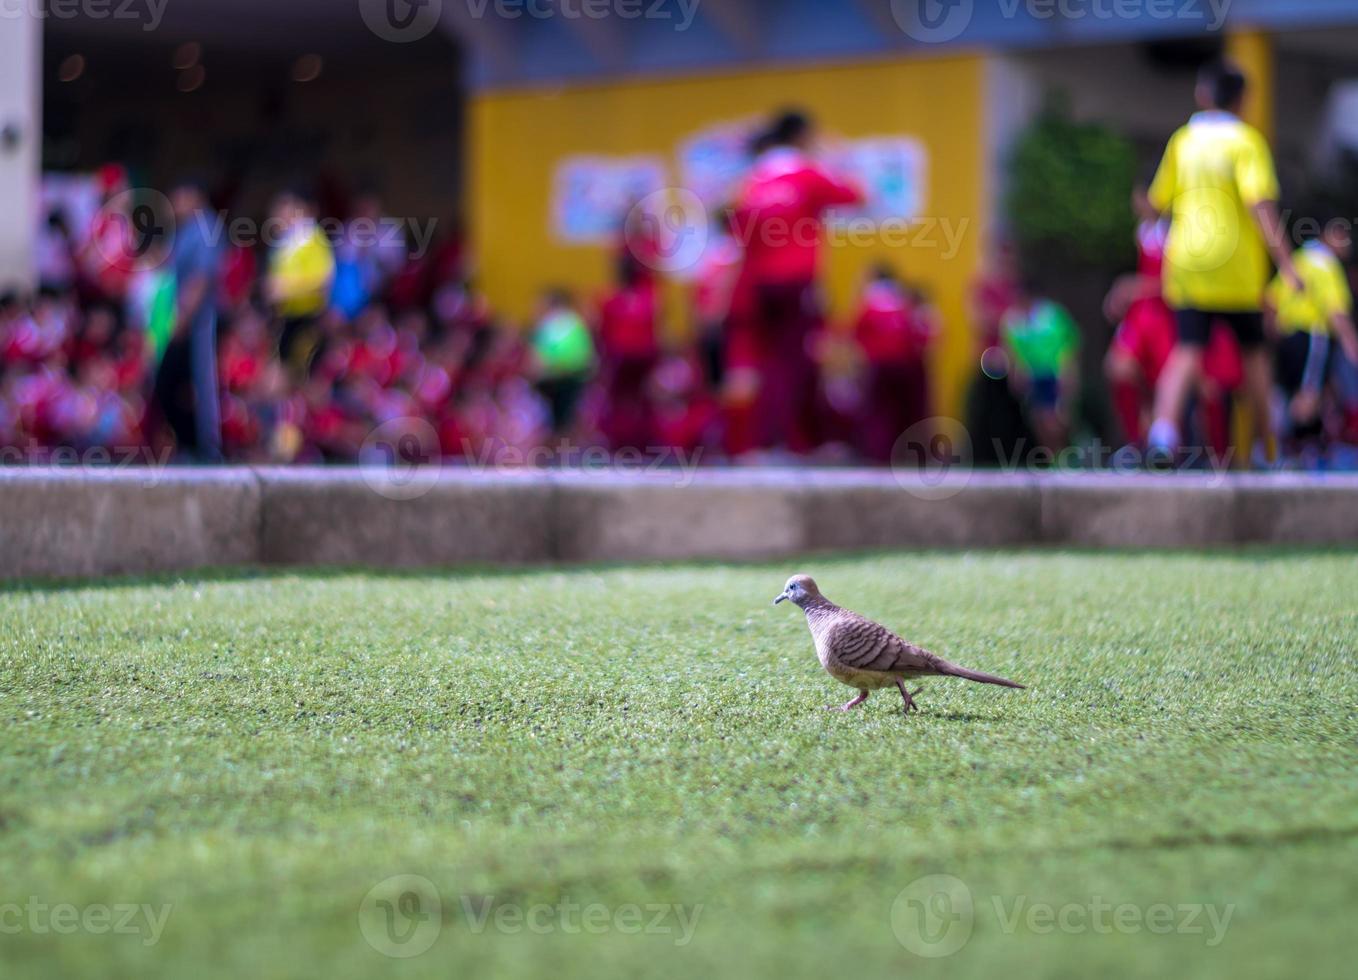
[[866, 655]]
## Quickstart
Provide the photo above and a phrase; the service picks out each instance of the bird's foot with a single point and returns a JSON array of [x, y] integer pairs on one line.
[[909, 697], [848, 705]]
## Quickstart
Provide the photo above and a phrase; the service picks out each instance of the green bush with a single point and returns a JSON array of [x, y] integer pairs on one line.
[[1067, 202]]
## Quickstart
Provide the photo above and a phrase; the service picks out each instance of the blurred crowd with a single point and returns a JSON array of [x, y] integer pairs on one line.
[[334, 338], [300, 344]]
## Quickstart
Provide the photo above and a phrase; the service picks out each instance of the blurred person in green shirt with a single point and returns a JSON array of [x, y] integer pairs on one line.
[[1042, 342], [563, 356]]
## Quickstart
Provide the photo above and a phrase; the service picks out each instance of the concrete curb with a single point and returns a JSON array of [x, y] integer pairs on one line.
[[63, 523], [365, 517], [81, 522]]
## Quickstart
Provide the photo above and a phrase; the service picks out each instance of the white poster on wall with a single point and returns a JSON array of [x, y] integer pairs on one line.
[[713, 161], [592, 195], [891, 171]]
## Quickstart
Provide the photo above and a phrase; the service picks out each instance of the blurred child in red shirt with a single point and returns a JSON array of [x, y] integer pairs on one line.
[[108, 256], [778, 219], [629, 347], [893, 330], [686, 415], [245, 350]]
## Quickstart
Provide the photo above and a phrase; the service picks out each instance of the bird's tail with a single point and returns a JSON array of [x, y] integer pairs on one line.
[[980, 676]]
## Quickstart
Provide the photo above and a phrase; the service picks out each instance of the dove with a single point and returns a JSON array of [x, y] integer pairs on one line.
[[866, 655]]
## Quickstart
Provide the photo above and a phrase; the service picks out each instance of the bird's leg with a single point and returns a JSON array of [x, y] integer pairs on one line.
[[910, 704], [849, 706]]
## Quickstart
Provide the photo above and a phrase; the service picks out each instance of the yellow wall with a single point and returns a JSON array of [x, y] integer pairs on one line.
[[518, 136]]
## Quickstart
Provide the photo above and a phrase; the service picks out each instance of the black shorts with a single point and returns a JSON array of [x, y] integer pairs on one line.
[[1195, 327], [1302, 361], [298, 341]]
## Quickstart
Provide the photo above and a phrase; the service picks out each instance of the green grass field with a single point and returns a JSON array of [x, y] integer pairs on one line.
[[258, 752]]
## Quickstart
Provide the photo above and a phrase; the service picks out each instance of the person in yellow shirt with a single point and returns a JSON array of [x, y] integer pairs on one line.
[[1304, 321], [300, 273], [1217, 183]]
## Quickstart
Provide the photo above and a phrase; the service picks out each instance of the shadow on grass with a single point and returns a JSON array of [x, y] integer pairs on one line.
[[965, 716]]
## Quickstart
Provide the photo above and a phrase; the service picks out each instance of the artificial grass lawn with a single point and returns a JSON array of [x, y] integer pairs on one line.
[[259, 751]]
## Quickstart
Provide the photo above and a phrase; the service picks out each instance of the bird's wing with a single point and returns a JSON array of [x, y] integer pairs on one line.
[[860, 643]]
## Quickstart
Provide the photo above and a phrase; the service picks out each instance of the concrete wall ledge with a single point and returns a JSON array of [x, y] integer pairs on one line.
[[59, 522]]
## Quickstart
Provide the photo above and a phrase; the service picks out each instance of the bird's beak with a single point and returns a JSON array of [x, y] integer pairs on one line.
[[781, 597]]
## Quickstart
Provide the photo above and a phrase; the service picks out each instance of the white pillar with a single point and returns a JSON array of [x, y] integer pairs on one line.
[[1012, 98], [20, 139]]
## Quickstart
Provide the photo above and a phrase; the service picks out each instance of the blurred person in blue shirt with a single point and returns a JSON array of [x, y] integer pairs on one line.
[[186, 384]]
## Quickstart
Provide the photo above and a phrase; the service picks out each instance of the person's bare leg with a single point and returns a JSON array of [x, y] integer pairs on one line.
[[1259, 393], [1179, 377]]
